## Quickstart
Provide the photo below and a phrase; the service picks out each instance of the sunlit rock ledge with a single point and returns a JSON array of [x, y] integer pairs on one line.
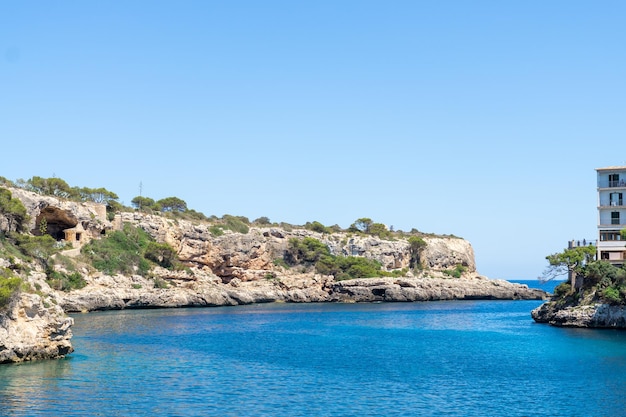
[[120, 292], [31, 330], [592, 315]]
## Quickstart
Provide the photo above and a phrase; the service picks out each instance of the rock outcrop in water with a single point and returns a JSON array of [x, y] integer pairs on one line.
[[199, 289], [30, 330], [231, 269], [597, 315]]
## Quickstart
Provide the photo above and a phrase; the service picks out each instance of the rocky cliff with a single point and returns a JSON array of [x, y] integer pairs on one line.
[[249, 256], [31, 330], [597, 315], [59, 215], [230, 269]]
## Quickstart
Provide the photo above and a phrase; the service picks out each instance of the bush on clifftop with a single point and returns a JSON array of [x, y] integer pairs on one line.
[[601, 281]]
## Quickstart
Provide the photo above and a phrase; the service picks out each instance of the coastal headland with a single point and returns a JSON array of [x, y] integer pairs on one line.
[[187, 262]]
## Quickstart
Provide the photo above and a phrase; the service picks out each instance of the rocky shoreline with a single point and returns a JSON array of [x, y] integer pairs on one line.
[[110, 293], [33, 328], [225, 269], [597, 315]]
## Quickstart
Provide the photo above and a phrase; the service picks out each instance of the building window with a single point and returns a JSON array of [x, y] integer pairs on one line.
[[610, 235], [615, 217], [616, 199], [613, 180]]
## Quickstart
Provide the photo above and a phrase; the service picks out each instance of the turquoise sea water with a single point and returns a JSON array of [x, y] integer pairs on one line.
[[453, 358]]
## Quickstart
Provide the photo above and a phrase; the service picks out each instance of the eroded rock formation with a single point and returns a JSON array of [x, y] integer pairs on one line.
[[60, 215], [591, 315], [31, 330], [250, 256], [231, 269]]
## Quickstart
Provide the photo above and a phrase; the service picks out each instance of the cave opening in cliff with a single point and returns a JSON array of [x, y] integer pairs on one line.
[[54, 221]]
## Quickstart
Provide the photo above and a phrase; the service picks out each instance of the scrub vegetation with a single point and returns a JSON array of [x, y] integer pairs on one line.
[[129, 251], [594, 281], [315, 255], [133, 251], [9, 286]]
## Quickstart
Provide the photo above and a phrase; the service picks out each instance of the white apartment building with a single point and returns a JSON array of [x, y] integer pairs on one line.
[[611, 213]]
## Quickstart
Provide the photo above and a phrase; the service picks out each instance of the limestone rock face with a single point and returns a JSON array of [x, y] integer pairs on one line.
[[430, 289], [595, 315], [29, 330], [446, 253], [61, 214], [230, 269], [249, 256], [202, 288], [191, 289]]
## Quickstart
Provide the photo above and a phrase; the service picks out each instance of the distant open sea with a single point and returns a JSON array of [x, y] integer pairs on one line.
[[444, 358]]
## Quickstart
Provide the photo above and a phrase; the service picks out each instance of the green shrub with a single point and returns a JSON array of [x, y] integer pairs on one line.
[[416, 247], [317, 227], [35, 248], [191, 214], [162, 254], [9, 285], [456, 272], [216, 230], [237, 224], [312, 252], [286, 226], [120, 251], [65, 281], [281, 262], [612, 295], [13, 210], [380, 230], [160, 283], [562, 290], [400, 272], [601, 271], [307, 251], [357, 267]]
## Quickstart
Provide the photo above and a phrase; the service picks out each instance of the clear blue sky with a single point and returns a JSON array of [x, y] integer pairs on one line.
[[483, 119]]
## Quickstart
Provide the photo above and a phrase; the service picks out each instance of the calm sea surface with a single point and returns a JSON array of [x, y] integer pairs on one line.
[[452, 358]]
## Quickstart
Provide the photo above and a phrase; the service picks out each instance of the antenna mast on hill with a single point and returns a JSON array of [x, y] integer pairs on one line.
[[140, 188]]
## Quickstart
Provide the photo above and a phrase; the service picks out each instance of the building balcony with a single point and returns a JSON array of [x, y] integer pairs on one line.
[[610, 204], [613, 225], [612, 244], [612, 184]]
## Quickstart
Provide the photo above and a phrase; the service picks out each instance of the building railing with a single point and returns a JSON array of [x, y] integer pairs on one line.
[[612, 184], [618, 203], [581, 243]]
